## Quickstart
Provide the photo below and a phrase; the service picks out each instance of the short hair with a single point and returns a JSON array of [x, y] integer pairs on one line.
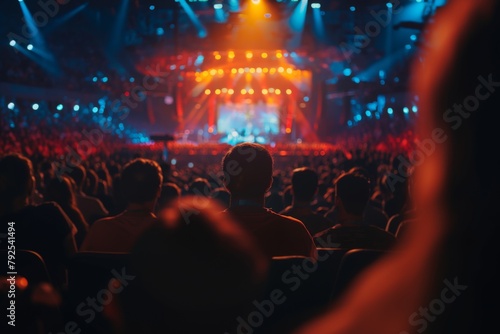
[[140, 180], [304, 183], [16, 177], [78, 174], [354, 192], [248, 170], [169, 192], [200, 187], [60, 191]]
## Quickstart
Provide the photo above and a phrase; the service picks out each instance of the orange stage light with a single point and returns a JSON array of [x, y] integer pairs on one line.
[[217, 91], [279, 55], [249, 55], [213, 72], [241, 70], [289, 70], [230, 54], [281, 69], [207, 91], [234, 71], [251, 91], [218, 57], [277, 91], [230, 91], [264, 55], [220, 71], [289, 92], [243, 91], [264, 91]]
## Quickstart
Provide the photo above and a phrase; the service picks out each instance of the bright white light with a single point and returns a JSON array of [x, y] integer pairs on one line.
[[11, 106], [190, 165], [59, 107], [76, 107], [315, 5], [35, 106], [12, 43], [218, 6], [29, 47]]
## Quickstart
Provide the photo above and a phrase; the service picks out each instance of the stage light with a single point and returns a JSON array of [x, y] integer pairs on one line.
[[190, 165], [105, 79], [390, 111], [277, 91], [255, 2], [264, 55], [35, 106], [249, 55], [218, 56], [406, 110], [220, 71], [59, 107], [173, 161], [368, 113], [414, 108], [251, 91], [413, 37], [352, 9], [230, 54], [347, 71], [389, 5], [218, 6], [281, 69], [408, 47], [271, 90], [132, 79], [264, 91], [76, 107], [12, 43], [234, 71], [241, 70], [265, 70], [160, 31], [198, 79], [95, 110], [356, 80], [230, 91], [306, 98], [272, 70], [213, 72], [279, 55], [207, 92], [358, 118], [289, 70], [243, 91], [11, 105], [217, 91], [288, 130], [315, 5], [210, 129], [258, 70], [152, 7], [29, 47], [289, 92], [224, 90], [252, 70]]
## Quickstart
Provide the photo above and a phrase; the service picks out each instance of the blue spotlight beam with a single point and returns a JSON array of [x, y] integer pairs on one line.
[[36, 36], [66, 17], [116, 34], [202, 31], [319, 27], [297, 22]]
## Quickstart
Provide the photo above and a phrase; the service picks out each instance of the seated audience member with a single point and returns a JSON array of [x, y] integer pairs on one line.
[[140, 184], [199, 187], [195, 272], [91, 207], [372, 215], [61, 192], [45, 228], [304, 188], [351, 196], [169, 192], [274, 198], [249, 169]]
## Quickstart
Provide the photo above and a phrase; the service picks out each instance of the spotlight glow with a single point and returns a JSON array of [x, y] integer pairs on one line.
[[35, 106], [76, 107], [12, 43], [59, 107], [11, 106], [29, 47], [315, 5]]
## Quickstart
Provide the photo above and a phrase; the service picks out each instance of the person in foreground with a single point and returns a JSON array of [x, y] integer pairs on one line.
[[444, 277], [195, 272]]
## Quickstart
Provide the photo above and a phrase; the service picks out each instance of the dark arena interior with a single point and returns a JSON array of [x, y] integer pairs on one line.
[[249, 166]]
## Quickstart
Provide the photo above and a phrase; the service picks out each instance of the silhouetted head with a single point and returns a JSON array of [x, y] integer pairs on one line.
[[304, 184], [60, 191], [248, 170], [353, 191], [197, 271], [16, 179], [78, 174], [200, 187], [141, 181]]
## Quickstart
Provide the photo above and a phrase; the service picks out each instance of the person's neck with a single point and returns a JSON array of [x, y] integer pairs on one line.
[[141, 207], [237, 201]]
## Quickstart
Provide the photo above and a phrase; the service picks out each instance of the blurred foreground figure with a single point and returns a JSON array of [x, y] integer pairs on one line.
[[195, 272], [443, 279]]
